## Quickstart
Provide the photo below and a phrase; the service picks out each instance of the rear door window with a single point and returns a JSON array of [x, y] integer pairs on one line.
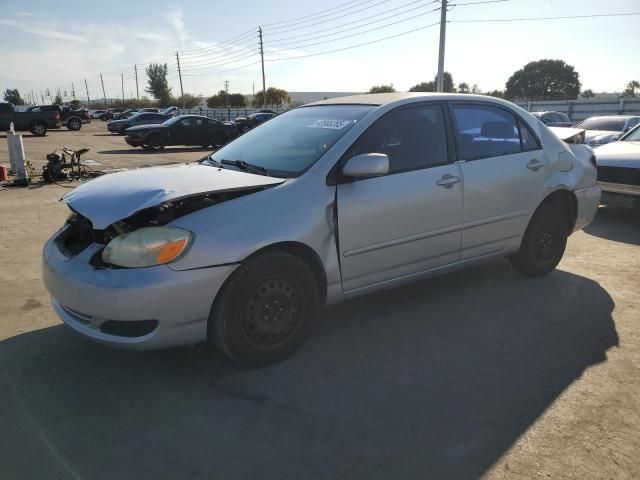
[[484, 131]]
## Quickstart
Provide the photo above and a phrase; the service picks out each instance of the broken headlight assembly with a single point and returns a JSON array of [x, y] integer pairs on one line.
[[146, 247]]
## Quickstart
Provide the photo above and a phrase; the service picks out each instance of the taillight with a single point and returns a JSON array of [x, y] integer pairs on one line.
[[56, 116]]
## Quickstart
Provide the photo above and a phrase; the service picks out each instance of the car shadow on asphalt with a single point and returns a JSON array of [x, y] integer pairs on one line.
[[433, 380], [617, 224]]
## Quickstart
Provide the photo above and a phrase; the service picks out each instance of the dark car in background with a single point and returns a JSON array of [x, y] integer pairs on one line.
[[182, 130], [36, 122], [553, 119], [605, 129], [132, 111], [139, 118], [71, 118], [251, 121], [109, 113]]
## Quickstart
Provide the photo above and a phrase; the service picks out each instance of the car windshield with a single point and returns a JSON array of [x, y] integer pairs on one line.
[[611, 124], [290, 143], [633, 135]]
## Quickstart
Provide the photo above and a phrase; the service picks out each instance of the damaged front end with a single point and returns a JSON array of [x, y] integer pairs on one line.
[[79, 232]]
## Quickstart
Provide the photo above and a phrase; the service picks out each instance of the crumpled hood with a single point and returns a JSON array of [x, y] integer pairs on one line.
[[619, 154], [116, 196], [604, 136]]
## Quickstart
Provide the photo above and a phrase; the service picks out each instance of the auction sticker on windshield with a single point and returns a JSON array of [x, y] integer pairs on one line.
[[330, 124]]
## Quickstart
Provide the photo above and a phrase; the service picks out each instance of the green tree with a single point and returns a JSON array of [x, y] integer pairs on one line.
[[382, 89], [237, 100], [629, 91], [57, 100], [431, 86], [588, 94], [495, 93], [217, 100], [463, 88], [75, 104], [188, 100], [544, 80], [276, 97], [13, 96], [157, 84]]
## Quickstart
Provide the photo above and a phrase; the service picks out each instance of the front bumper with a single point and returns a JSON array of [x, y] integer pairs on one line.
[[175, 303], [134, 142], [588, 201]]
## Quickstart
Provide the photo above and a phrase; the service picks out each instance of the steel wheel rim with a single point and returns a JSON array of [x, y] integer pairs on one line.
[[38, 129], [546, 241], [272, 313]]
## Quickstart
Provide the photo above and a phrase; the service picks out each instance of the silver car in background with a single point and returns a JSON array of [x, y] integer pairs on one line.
[[606, 129], [332, 200]]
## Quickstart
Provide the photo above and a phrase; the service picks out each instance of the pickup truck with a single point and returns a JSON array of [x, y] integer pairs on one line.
[[72, 119], [36, 122]]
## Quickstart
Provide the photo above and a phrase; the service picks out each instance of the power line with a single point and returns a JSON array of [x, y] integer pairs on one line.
[[351, 24], [221, 71], [222, 57], [332, 19], [482, 2], [365, 31], [217, 64], [312, 14], [235, 39], [530, 19], [354, 46]]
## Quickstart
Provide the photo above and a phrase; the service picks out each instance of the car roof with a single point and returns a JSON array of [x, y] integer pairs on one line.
[[380, 99]]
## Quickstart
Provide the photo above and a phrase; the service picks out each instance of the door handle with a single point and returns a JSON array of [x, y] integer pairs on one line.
[[535, 164], [447, 181]]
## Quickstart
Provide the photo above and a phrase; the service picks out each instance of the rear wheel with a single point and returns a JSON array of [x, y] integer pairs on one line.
[[218, 139], [74, 124], [155, 142], [39, 129], [265, 311], [544, 241]]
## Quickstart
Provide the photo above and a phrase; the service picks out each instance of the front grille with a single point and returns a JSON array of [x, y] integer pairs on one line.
[[624, 175]]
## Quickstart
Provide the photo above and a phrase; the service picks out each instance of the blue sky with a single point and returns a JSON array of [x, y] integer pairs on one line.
[[50, 44]]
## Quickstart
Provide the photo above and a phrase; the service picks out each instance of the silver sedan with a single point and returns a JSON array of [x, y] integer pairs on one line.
[[326, 202]]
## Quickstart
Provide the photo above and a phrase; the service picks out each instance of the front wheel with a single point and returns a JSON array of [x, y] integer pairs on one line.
[[265, 311], [156, 142], [543, 243]]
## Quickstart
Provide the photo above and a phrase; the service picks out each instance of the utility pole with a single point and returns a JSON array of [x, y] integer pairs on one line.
[[264, 87], [42, 97], [180, 75], [73, 91], [135, 68], [443, 27], [226, 89], [104, 94], [122, 84], [87, 88], [34, 98]]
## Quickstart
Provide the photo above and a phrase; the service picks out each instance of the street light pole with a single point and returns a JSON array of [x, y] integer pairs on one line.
[[443, 27]]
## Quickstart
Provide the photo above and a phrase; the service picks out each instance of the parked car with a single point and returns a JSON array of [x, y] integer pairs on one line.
[[36, 122], [141, 118], [619, 170], [97, 113], [181, 130], [605, 129], [71, 118], [109, 113], [332, 200], [173, 111], [553, 119], [125, 113], [247, 123]]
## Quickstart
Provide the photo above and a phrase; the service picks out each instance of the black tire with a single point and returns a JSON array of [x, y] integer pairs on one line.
[[39, 129], [74, 124], [156, 142], [544, 241], [266, 309], [146, 147], [205, 145]]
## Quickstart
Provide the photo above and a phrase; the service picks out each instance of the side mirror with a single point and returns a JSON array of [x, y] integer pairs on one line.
[[366, 165]]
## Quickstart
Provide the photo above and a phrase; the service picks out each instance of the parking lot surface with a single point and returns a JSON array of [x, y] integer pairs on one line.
[[478, 373]]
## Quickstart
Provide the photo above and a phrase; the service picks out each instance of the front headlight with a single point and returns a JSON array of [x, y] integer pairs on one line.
[[146, 247]]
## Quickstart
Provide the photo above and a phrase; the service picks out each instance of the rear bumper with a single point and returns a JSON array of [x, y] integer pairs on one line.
[[588, 201], [621, 188]]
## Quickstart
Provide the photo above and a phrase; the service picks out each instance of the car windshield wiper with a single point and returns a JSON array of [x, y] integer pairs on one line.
[[247, 167]]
